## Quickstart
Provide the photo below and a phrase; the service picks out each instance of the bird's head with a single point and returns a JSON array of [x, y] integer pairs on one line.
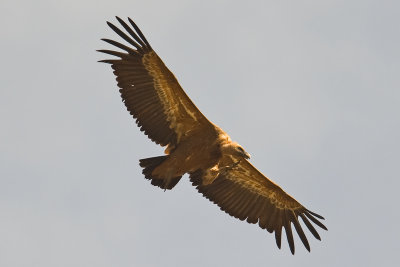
[[233, 148], [241, 152], [238, 150]]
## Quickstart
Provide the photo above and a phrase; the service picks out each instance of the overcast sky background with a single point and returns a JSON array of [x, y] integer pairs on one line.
[[309, 88]]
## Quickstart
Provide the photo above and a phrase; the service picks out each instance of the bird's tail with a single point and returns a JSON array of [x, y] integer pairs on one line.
[[149, 165]]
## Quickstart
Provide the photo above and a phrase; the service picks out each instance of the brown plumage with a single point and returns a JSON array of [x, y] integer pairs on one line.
[[217, 166]]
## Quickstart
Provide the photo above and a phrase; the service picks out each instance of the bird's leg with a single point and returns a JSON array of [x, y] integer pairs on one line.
[[212, 174], [227, 168]]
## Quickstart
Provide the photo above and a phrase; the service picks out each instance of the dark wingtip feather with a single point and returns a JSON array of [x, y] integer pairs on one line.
[[278, 237], [310, 226], [113, 53], [299, 230], [131, 32], [315, 214], [139, 32], [107, 61], [314, 220], [288, 230], [123, 35], [104, 61], [121, 46]]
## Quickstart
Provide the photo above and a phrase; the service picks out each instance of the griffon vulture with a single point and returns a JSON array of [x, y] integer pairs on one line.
[[217, 166]]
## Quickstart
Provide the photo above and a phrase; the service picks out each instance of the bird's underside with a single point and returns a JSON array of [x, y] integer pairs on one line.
[[217, 167]]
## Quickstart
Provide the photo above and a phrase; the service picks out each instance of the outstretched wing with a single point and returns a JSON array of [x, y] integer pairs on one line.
[[150, 91], [245, 193]]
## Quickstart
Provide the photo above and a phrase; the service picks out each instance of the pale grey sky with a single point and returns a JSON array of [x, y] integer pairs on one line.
[[309, 88]]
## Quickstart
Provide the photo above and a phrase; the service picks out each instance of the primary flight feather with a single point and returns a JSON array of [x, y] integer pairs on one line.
[[217, 166]]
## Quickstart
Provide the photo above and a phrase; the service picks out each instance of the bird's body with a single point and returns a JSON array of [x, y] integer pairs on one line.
[[217, 166], [190, 156]]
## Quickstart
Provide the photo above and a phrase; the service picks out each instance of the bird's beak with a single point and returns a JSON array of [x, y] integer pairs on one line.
[[246, 155]]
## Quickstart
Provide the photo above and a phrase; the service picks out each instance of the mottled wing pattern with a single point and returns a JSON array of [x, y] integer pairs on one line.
[[245, 193], [150, 91]]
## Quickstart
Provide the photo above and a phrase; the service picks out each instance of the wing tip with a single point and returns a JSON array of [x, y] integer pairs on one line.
[[110, 24], [107, 61], [278, 237], [311, 215], [315, 214]]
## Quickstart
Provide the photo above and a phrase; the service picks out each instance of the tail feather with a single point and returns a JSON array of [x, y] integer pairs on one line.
[[149, 165]]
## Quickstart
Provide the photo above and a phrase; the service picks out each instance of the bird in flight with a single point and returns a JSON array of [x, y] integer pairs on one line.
[[217, 166]]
